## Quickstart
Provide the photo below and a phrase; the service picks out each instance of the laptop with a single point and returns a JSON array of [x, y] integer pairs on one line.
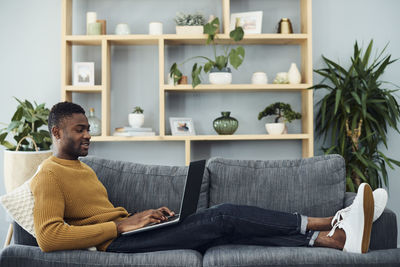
[[189, 201]]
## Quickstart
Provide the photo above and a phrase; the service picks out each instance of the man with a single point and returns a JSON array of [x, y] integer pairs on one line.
[[72, 210]]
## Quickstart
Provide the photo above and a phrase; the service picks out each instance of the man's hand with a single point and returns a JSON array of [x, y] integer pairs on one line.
[[140, 219]]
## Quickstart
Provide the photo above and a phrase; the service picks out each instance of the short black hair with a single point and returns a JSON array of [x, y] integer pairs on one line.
[[62, 110]]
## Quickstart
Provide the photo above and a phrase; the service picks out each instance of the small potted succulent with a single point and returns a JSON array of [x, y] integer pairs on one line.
[[136, 118], [189, 23], [283, 112], [218, 68]]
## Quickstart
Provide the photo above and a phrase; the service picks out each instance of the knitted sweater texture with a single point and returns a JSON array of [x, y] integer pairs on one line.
[[72, 209]]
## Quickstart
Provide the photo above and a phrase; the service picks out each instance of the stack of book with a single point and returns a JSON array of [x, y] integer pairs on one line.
[[129, 131]]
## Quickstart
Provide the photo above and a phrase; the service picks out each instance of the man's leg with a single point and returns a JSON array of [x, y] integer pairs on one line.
[[222, 224]]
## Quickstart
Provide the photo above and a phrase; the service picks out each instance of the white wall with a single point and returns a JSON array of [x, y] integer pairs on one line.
[[30, 69]]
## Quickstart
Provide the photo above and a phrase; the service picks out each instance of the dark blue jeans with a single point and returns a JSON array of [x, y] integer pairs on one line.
[[219, 225]]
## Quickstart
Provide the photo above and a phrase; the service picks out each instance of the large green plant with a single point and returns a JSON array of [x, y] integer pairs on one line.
[[27, 121], [356, 113], [234, 56]]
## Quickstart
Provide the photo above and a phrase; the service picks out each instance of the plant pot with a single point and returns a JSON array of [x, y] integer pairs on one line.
[[275, 128], [20, 166], [136, 120], [225, 125], [223, 76], [189, 30]]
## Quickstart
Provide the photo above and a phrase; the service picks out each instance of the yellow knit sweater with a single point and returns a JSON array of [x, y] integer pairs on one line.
[[72, 209]]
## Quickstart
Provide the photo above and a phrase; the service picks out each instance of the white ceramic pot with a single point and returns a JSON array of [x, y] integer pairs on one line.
[[19, 166], [136, 120], [223, 76], [122, 29], [155, 28], [275, 128], [259, 78], [189, 30]]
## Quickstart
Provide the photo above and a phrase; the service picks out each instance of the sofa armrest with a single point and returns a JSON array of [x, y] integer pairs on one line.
[[384, 230]]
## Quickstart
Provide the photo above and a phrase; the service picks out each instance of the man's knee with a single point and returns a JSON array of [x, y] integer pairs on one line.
[[225, 208]]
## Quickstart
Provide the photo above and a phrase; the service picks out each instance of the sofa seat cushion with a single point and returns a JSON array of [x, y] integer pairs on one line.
[[138, 187], [310, 186], [17, 255], [243, 255]]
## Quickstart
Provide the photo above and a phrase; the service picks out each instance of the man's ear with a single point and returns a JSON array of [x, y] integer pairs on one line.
[[55, 131]]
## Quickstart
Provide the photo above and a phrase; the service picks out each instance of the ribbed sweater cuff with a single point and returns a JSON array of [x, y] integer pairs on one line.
[[110, 230]]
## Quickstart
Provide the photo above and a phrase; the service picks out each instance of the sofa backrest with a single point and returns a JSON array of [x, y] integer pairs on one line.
[[138, 187], [311, 186]]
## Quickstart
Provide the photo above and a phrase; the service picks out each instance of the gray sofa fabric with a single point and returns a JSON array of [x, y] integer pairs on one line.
[[314, 187], [27, 256], [247, 256], [311, 186], [153, 186]]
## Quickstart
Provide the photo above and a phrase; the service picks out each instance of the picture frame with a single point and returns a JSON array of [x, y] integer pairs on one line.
[[83, 73], [182, 126], [251, 22]]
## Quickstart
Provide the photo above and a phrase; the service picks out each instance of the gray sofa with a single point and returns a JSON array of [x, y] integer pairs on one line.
[[314, 187]]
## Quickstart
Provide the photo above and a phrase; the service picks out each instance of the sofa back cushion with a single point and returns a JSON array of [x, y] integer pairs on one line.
[[138, 187], [311, 186]]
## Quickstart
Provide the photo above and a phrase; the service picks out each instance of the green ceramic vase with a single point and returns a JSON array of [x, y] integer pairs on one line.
[[225, 124]]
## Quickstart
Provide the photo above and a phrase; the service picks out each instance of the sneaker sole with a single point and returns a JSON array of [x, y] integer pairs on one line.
[[368, 218]]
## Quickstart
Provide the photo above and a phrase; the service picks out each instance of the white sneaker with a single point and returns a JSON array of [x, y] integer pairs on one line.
[[380, 200], [357, 224]]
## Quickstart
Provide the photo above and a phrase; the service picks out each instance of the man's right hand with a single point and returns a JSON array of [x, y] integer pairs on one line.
[[141, 219]]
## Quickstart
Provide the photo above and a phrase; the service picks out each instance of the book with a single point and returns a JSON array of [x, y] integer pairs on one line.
[[130, 129], [134, 134]]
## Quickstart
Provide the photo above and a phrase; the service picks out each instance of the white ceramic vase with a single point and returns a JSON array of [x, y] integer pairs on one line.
[[136, 120], [294, 74], [223, 76], [275, 128]]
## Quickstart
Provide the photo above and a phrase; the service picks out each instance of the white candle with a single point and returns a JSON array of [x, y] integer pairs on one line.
[[91, 17]]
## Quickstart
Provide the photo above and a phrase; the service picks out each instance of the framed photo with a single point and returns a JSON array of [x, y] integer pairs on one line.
[[83, 73], [182, 126], [251, 22]]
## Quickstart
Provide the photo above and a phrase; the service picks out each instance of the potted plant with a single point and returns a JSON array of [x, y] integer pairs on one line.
[[32, 143], [218, 68], [282, 111], [189, 23], [136, 118], [356, 113]]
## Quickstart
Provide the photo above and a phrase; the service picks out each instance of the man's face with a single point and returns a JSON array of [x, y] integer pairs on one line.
[[73, 138]]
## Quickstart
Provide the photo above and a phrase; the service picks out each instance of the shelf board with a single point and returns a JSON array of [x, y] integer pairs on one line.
[[237, 87], [84, 89], [202, 137], [249, 39], [134, 39], [183, 39], [85, 39]]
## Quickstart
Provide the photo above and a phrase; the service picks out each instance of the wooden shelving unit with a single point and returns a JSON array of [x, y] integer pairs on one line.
[[303, 39]]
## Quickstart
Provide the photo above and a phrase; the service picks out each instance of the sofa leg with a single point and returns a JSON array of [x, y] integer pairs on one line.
[[9, 235]]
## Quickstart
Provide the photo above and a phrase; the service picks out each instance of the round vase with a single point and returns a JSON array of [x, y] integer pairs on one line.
[[136, 120], [275, 128], [225, 125], [223, 76]]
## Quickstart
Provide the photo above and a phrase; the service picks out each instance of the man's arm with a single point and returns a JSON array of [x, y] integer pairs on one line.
[[51, 231]]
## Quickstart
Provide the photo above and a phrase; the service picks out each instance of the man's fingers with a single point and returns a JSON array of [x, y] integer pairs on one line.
[[167, 211]]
